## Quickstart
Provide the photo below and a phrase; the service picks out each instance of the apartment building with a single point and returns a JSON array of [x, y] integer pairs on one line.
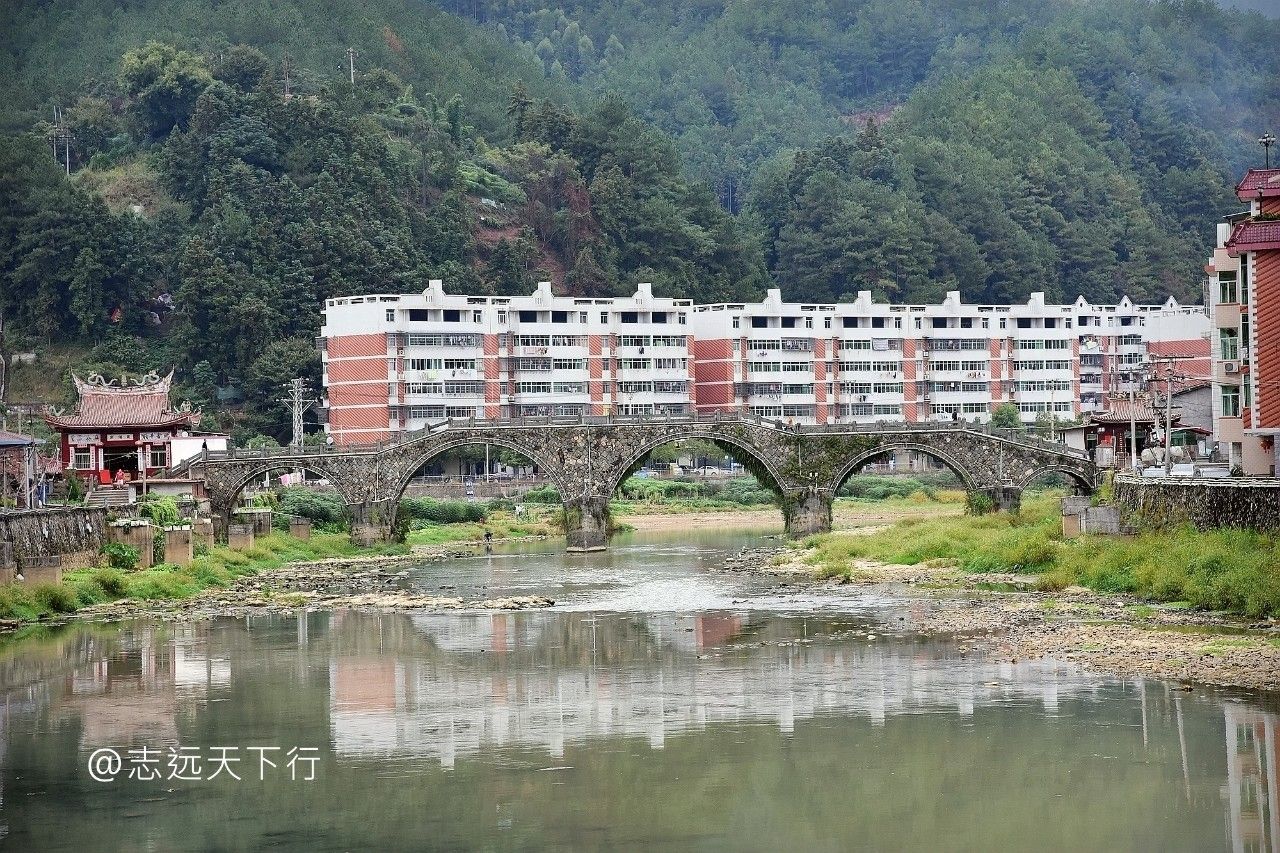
[[398, 362], [1243, 291], [867, 361], [394, 363]]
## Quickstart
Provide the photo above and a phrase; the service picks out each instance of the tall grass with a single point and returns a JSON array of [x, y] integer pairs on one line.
[[1232, 570]]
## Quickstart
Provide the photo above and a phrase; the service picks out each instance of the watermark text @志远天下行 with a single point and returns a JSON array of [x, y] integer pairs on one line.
[[194, 764]]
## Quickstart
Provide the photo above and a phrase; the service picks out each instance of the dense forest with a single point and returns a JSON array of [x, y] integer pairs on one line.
[[907, 147]]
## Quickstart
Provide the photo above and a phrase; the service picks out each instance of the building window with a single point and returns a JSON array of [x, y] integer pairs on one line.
[[391, 315], [604, 317], [737, 322], [1231, 401], [502, 317], [159, 457], [1229, 340], [82, 458], [1228, 292], [475, 316]]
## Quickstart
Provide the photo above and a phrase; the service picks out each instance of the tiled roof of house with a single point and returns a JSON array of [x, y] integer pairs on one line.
[[1254, 235], [1266, 180], [145, 404], [1123, 411]]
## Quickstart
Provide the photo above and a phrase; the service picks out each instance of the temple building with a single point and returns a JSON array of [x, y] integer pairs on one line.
[[127, 431]]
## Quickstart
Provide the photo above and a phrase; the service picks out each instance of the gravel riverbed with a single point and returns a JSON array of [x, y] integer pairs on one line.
[[1004, 615]]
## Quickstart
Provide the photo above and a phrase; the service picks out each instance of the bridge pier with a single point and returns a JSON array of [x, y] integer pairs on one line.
[[586, 523], [372, 523], [1004, 498], [807, 513]]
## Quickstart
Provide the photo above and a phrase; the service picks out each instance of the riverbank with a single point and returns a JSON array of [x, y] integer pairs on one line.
[[219, 567], [1008, 587], [370, 583], [847, 514]]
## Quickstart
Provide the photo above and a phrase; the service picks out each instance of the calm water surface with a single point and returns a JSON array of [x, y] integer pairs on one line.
[[658, 705]]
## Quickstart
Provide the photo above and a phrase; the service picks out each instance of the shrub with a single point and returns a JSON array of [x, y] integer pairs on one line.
[[325, 509], [112, 581], [977, 503], [543, 495], [120, 556], [162, 510], [442, 512], [55, 597]]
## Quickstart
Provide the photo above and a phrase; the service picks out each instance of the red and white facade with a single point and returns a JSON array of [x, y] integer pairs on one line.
[[1244, 295], [394, 363], [398, 362], [865, 361]]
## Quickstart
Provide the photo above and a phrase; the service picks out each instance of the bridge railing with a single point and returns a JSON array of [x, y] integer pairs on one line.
[[285, 454]]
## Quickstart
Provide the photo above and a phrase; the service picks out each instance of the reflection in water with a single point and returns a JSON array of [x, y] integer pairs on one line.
[[1253, 754], [544, 679], [483, 690]]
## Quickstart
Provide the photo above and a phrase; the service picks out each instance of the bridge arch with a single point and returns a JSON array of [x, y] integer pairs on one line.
[[429, 451], [754, 453], [223, 502], [1083, 484], [955, 466]]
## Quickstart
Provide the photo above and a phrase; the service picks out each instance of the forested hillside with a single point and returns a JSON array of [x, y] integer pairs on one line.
[[908, 147]]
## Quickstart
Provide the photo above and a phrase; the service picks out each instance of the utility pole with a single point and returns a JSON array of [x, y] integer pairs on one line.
[[60, 137], [351, 66], [287, 93], [1268, 139], [298, 401]]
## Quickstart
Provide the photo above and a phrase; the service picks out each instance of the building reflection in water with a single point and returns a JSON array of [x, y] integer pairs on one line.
[[542, 680], [1253, 750]]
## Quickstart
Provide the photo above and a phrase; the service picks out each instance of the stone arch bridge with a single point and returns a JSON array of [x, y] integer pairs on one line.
[[588, 457]]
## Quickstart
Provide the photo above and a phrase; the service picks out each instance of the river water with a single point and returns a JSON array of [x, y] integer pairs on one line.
[[659, 705]]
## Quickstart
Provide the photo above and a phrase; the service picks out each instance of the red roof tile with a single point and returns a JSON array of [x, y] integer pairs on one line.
[[1254, 235], [1197, 348], [1122, 411], [1266, 180], [144, 405]]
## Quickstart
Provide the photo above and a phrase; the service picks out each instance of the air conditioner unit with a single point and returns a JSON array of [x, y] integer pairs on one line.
[[1231, 366]]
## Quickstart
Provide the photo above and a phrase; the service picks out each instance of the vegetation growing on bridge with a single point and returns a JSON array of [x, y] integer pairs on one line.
[[1233, 570]]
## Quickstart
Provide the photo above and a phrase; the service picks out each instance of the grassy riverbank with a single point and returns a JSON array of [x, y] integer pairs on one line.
[[538, 521], [1233, 570], [218, 568]]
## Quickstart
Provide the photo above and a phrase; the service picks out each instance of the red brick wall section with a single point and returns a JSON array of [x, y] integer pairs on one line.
[[1266, 326], [713, 373], [820, 380], [347, 346], [910, 411]]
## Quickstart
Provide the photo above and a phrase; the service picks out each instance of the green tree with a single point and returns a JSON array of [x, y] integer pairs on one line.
[[1006, 416]]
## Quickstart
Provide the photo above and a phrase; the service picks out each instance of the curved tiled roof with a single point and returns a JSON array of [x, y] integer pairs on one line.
[[142, 405], [1255, 234], [1265, 180]]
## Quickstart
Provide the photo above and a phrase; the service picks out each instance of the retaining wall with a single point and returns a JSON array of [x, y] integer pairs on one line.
[[1207, 504], [76, 534]]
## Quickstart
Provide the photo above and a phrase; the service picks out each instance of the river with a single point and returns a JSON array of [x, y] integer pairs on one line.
[[658, 705]]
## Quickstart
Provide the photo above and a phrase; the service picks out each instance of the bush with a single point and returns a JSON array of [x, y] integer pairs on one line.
[[543, 495], [112, 582], [442, 512], [55, 597], [163, 511], [325, 509], [120, 556]]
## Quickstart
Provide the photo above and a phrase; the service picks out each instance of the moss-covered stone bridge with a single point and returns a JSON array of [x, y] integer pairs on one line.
[[588, 457]]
